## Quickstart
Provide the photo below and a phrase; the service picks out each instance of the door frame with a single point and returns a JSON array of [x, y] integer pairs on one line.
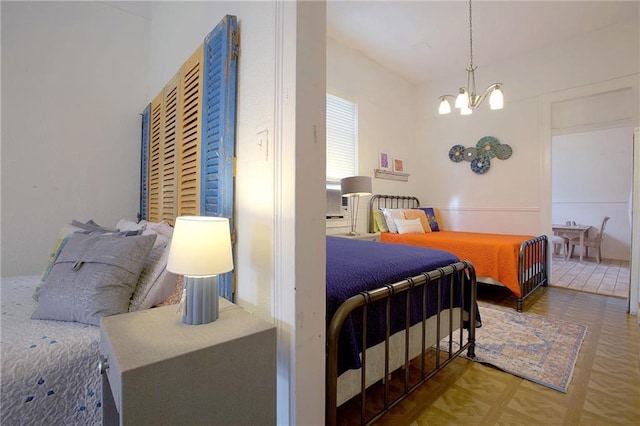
[[634, 278], [545, 134]]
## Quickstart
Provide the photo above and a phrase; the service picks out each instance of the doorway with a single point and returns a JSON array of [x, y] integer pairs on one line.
[[592, 175], [600, 107]]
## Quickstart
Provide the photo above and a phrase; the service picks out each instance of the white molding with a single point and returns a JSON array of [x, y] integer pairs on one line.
[[627, 122], [488, 209], [589, 202], [634, 278], [283, 301]]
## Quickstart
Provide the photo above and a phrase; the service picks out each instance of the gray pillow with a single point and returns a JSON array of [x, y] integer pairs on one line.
[[94, 276]]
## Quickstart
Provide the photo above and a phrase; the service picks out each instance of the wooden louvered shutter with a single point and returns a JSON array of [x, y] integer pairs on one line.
[[218, 128], [169, 145], [190, 110], [144, 165], [189, 162], [155, 159]]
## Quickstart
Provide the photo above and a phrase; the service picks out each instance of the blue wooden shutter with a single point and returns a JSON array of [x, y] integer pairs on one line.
[[144, 165], [218, 128]]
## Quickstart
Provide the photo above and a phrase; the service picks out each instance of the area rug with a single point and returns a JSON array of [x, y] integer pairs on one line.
[[533, 347]]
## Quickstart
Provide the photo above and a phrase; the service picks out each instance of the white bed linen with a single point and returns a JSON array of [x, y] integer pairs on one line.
[[49, 369]]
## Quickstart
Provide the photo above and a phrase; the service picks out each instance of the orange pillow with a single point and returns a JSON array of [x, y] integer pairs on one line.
[[418, 214]]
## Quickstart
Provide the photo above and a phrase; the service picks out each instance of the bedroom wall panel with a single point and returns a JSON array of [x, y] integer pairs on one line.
[[501, 220], [74, 78]]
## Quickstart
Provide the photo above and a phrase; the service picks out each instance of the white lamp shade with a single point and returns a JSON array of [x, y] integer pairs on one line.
[[355, 185], [496, 100], [462, 101], [465, 110], [200, 246], [445, 107]]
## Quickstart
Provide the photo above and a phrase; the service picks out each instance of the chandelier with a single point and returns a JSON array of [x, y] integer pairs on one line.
[[467, 99]]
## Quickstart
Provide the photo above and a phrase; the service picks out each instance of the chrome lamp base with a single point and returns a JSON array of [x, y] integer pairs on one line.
[[201, 301]]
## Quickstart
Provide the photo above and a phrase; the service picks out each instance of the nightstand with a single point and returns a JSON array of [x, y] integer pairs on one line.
[[375, 236], [158, 370]]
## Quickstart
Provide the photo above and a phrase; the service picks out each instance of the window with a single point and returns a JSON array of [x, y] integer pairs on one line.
[[342, 137]]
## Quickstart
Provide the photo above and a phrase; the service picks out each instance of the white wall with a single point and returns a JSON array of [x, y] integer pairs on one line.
[[386, 121], [74, 76], [514, 196], [592, 174]]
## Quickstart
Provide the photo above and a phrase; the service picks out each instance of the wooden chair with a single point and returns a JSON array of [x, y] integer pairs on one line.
[[590, 242], [559, 240]]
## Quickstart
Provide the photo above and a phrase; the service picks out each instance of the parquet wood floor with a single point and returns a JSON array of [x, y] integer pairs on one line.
[[604, 390]]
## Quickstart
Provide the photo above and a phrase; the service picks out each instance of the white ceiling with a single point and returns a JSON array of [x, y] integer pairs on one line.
[[422, 40]]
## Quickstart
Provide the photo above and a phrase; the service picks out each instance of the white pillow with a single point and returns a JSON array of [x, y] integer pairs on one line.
[[155, 283], [409, 226], [390, 215], [161, 228]]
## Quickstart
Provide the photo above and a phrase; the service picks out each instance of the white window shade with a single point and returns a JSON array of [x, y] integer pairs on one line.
[[341, 138]]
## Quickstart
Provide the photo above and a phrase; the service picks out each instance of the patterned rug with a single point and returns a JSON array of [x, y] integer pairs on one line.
[[540, 349]]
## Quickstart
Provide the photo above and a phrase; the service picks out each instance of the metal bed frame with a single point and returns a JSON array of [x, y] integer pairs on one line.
[[533, 259], [358, 304]]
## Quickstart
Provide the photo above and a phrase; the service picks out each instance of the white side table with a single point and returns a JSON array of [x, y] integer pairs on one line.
[[158, 370]]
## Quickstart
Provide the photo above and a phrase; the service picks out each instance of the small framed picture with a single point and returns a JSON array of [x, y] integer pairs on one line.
[[398, 165], [384, 161]]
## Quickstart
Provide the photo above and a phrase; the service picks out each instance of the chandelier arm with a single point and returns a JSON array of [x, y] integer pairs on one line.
[[476, 101]]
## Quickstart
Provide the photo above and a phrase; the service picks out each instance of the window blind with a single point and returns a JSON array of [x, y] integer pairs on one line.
[[342, 138]]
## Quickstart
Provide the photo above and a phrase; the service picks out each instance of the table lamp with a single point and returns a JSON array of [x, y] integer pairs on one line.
[[353, 187], [200, 250]]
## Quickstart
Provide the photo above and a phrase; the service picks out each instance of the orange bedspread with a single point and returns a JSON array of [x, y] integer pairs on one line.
[[492, 255]]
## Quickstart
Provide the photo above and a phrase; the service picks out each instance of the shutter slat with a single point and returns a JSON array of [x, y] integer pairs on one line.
[[191, 118], [155, 164], [169, 142]]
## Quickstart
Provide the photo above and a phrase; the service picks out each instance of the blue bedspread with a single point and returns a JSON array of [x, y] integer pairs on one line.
[[354, 266]]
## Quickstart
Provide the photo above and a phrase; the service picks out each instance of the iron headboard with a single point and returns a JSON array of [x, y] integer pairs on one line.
[[380, 201]]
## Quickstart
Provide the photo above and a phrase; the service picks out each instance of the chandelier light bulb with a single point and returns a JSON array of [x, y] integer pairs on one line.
[[465, 110]]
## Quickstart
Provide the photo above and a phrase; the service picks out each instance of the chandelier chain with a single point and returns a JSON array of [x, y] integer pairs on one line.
[[470, 37]]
